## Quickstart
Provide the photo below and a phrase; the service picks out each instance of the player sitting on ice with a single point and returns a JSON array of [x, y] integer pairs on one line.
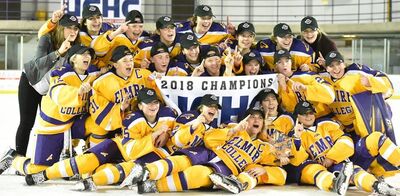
[[67, 98], [223, 153], [300, 167], [268, 170], [189, 132], [360, 107], [145, 134]]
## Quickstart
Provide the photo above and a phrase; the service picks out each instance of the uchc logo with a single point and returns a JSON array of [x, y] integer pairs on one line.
[[92, 8], [285, 27], [332, 55], [308, 21]]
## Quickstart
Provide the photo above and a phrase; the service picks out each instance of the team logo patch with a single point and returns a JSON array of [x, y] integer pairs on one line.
[[268, 90], [332, 55], [206, 8], [389, 123], [305, 104], [193, 152], [285, 27], [213, 97], [150, 93], [281, 51], [167, 19], [211, 53], [308, 21], [251, 54], [104, 154], [190, 37], [73, 18], [246, 25], [92, 8], [160, 50], [50, 157]]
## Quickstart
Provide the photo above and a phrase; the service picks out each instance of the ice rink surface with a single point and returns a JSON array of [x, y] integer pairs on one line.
[[15, 185]]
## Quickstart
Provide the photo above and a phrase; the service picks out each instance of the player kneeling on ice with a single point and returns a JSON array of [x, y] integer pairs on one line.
[[67, 98], [143, 133]]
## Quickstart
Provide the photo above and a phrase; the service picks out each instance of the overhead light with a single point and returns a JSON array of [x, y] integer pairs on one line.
[[349, 36]]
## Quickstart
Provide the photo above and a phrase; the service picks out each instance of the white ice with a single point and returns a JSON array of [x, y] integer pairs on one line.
[[15, 185]]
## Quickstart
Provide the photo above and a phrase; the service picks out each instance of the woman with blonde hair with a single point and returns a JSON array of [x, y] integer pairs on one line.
[[34, 81]]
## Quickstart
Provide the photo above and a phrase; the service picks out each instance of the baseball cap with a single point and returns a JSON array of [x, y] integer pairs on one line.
[[282, 29], [246, 26], [281, 53], [210, 99], [134, 16], [158, 48], [90, 10], [255, 110], [119, 53], [79, 49], [303, 107], [252, 55], [68, 20], [203, 10], [212, 51], [146, 95], [164, 22], [333, 56], [188, 40], [308, 22], [265, 92]]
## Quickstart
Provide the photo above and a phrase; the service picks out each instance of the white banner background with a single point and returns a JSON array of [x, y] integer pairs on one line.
[[234, 93]]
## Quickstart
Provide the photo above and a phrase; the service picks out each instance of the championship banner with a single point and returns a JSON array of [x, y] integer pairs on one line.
[[234, 93], [113, 11]]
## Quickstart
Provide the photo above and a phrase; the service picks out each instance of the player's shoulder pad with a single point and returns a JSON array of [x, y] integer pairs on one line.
[[132, 117], [187, 116], [266, 44], [141, 71], [167, 112], [303, 73], [365, 69], [149, 42], [103, 77], [215, 26], [59, 71], [184, 26], [325, 121], [106, 26], [93, 68], [301, 46]]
